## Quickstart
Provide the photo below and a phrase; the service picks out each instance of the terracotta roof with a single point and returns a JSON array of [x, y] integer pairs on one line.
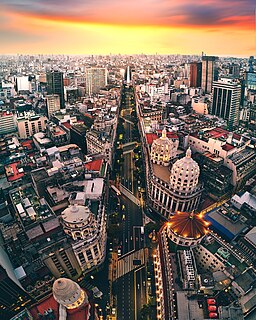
[[170, 135], [27, 144], [151, 137], [67, 125], [218, 133], [94, 165], [188, 225], [15, 173], [236, 136], [227, 147]]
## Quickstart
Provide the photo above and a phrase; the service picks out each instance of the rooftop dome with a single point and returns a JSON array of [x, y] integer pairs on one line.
[[184, 174], [188, 225], [76, 214], [162, 149], [68, 293], [79, 222], [64, 289]]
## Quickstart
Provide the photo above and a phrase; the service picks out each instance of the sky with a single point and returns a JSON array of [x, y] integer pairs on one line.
[[216, 27]]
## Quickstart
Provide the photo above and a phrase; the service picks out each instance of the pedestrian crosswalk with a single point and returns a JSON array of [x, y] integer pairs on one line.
[[129, 262]]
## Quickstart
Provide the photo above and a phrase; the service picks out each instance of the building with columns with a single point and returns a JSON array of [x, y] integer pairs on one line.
[[177, 189], [69, 294], [164, 149], [88, 240]]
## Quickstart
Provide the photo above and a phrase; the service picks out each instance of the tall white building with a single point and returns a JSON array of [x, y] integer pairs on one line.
[[23, 83], [7, 123], [178, 190], [30, 123], [53, 103], [89, 243], [96, 78]]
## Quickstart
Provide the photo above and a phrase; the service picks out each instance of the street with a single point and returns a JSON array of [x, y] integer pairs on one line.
[[130, 288]]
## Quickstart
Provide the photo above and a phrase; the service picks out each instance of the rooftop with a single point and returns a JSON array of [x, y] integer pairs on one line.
[[94, 165], [251, 236], [51, 303], [161, 172], [29, 207], [170, 135], [226, 226], [76, 214], [151, 137], [188, 225], [13, 173]]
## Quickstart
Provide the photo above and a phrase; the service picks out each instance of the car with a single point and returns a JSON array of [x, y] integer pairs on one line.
[[123, 217], [119, 252], [212, 308], [211, 301], [97, 293], [213, 315]]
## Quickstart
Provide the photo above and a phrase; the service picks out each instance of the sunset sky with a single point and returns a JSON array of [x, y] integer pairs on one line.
[[220, 27]]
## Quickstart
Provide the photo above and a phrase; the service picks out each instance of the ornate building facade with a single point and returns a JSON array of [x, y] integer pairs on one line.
[[175, 190]]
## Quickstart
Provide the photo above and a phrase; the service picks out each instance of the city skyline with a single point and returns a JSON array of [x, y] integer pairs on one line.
[[97, 27]]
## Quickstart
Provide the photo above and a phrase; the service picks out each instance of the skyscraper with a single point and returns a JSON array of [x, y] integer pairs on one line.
[[55, 85], [12, 296], [209, 72], [195, 74], [95, 79], [53, 103], [225, 100]]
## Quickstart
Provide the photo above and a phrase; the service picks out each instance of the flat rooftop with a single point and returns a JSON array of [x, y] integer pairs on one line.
[[161, 172], [222, 223], [29, 207], [50, 303]]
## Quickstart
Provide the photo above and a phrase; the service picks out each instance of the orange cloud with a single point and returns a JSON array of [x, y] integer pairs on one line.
[[112, 26]]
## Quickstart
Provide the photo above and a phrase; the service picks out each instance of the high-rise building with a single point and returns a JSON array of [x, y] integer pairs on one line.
[[195, 74], [55, 85], [96, 78], [7, 124], [30, 123], [89, 244], [250, 80], [53, 104], [209, 72], [225, 101], [12, 296]]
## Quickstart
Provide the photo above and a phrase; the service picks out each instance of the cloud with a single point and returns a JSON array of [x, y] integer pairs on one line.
[[151, 12]]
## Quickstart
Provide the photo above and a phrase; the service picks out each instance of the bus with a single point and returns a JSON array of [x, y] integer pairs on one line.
[[118, 193]]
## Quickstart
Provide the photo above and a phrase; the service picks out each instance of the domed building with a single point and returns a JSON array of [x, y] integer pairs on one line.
[[69, 294], [88, 240], [186, 228], [184, 174], [163, 149], [178, 190], [79, 222]]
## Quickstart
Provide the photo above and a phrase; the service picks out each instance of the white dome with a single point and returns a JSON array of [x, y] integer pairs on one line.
[[184, 174], [162, 150], [76, 214], [68, 293], [79, 222]]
